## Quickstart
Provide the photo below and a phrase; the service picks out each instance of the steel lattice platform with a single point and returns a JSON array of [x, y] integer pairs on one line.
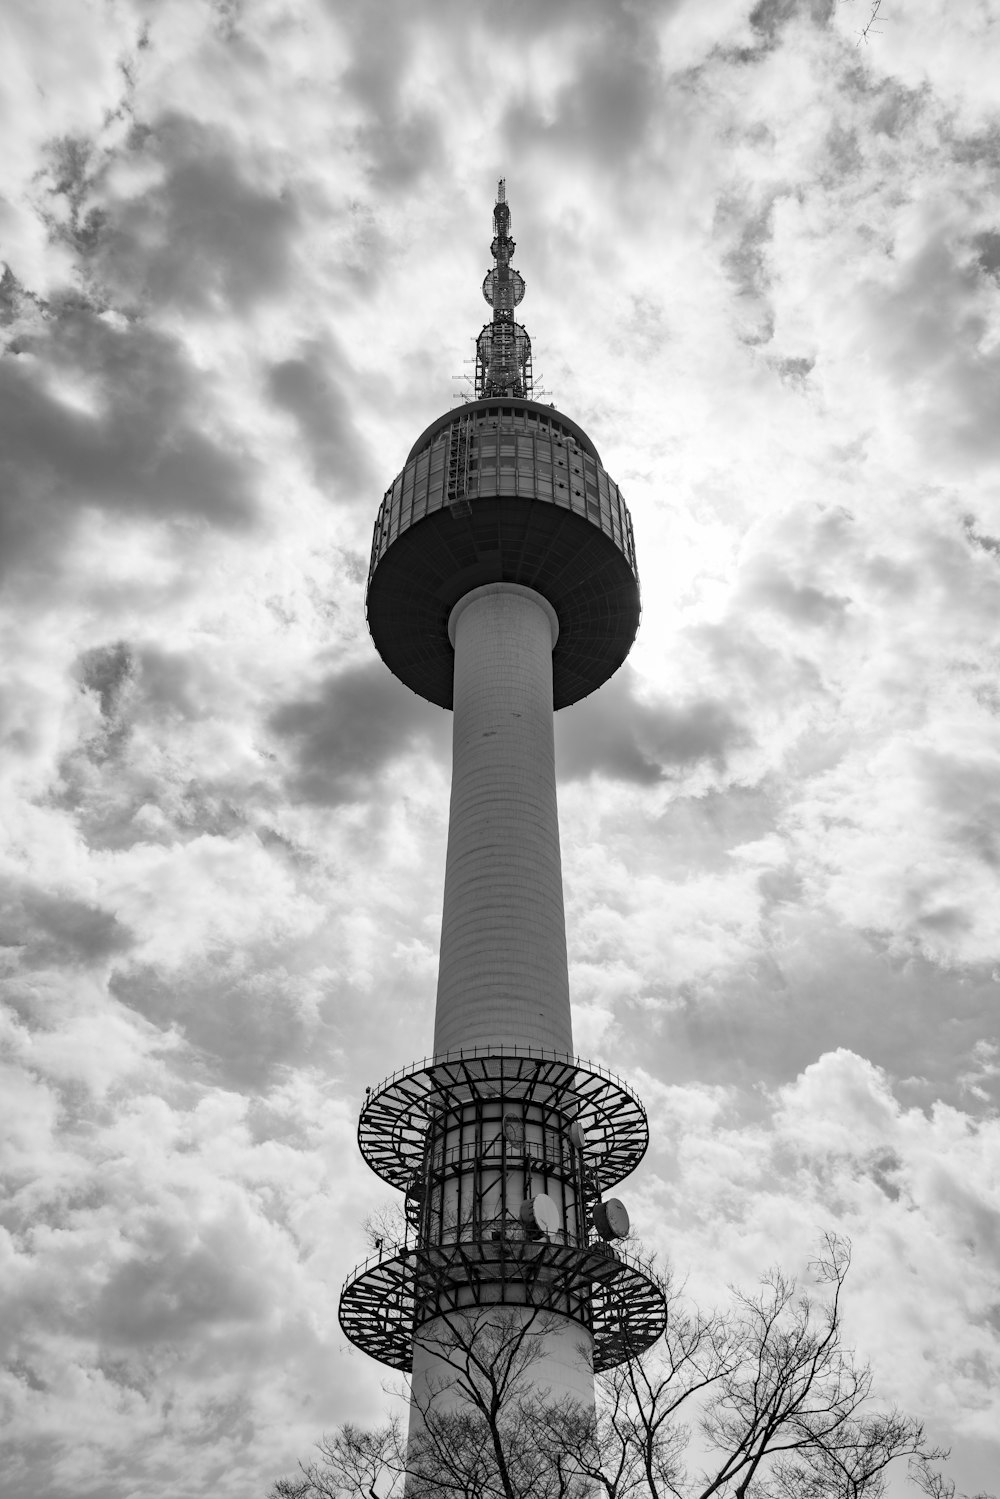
[[397, 1114], [387, 1298]]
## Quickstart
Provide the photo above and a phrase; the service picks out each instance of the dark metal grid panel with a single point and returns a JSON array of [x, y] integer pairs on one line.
[[477, 1184], [397, 1114], [521, 415], [554, 1153], [580, 569], [501, 460], [503, 362], [387, 1298], [629, 1315]]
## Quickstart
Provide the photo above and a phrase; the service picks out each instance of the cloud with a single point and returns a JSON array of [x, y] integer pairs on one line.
[[242, 1027], [135, 1273], [144, 684], [747, 231], [929, 324], [987, 246], [105, 669], [311, 387], [144, 715], [400, 134], [106, 414], [905, 845], [50, 930], [835, 1148], [601, 112], [977, 538], [178, 1285], [176, 683], [618, 734], [810, 985], [802, 603], [169, 218], [357, 725], [769, 16]]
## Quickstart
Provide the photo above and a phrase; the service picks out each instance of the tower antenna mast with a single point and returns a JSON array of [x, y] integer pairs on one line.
[[503, 348]]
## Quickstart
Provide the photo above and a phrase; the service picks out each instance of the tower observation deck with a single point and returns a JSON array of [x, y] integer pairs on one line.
[[503, 585]]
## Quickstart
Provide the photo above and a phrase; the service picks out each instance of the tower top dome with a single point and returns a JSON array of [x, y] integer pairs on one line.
[[503, 490]]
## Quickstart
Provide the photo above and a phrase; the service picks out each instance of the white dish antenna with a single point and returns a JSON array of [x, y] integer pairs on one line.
[[611, 1219], [540, 1212]]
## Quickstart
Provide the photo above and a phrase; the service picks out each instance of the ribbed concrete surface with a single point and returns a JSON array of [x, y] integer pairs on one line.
[[503, 977]]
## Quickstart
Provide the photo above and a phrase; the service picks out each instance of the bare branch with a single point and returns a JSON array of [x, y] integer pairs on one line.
[[385, 1225], [869, 26], [934, 1483]]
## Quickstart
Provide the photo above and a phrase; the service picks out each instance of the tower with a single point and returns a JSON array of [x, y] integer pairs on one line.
[[503, 586]]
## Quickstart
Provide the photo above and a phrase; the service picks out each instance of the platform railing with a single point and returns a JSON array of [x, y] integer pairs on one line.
[[408, 1245], [485, 1053]]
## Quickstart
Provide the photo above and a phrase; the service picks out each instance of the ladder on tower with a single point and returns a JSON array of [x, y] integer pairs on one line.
[[458, 469]]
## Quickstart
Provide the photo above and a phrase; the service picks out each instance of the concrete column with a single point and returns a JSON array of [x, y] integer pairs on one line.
[[503, 976]]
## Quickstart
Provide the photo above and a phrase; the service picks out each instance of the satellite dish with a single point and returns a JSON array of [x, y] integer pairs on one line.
[[540, 1212], [611, 1219], [513, 1130], [577, 1135]]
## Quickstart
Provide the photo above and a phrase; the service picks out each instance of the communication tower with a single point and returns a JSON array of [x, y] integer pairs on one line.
[[503, 585]]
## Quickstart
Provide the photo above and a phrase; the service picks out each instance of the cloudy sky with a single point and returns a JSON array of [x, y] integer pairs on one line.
[[243, 244]]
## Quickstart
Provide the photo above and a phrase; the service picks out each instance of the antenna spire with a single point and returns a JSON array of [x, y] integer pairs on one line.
[[503, 348]]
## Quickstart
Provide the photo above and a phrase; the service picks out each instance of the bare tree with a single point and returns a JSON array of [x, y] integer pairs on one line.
[[488, 1445], [644, 1402], [291, 1488], [474, 1436], [385, 1224], [778, 1400], [368, 1464], [776, 1405], [937, 1486], [869, 28]]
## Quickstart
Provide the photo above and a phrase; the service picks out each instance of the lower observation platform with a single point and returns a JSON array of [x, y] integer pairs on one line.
[[503, 491], [615, 1297]]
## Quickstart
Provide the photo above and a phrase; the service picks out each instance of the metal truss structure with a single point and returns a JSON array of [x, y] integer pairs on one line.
[[397, 1116], [388, 1297], [503, 348], [470, 1137]]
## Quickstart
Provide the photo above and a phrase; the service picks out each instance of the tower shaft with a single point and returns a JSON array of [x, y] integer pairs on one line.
[[503, 976], [503, 980]]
